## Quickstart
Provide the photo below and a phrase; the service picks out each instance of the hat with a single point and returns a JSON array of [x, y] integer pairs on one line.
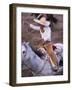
[[42, 21]]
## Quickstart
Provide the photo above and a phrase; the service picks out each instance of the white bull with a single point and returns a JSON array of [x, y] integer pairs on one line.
[[41, 66]]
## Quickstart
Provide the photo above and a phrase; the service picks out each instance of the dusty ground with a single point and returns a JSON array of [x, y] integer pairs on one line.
[[34, 36]]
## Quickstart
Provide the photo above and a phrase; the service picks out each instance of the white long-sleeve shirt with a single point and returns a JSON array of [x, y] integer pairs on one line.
[[46, 35]]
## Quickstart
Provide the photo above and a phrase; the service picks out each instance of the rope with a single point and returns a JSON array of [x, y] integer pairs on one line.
[[29, 68]]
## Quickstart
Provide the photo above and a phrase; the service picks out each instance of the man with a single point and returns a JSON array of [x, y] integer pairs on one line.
[[45, 32]]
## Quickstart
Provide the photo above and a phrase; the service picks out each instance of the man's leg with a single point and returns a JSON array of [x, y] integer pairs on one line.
[[49, 49]]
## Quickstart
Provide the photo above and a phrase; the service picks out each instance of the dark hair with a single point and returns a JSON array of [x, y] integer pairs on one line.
[[51, 18]]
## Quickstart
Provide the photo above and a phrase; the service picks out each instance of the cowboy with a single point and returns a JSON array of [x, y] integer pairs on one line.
[[45, 31]]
